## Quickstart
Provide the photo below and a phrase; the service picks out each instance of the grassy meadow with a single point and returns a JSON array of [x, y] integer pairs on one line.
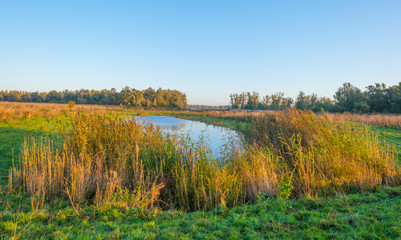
[[85, 172]]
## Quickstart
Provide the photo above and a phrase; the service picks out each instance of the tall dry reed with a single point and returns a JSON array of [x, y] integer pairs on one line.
[[322, 156]]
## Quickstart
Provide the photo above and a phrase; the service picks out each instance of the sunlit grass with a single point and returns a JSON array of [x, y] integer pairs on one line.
[[322, 156], [95, 174], [103, 159], [99, 155]]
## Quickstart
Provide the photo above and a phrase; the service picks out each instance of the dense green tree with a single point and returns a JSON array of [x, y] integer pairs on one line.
[[394, 96], [253, 100], [127, 97], [301, 101], [378, 98], [313, 102], [350, 98], [277, 101], [274, 102], [266, 102], [243, 99], [150, 97], [235, 101]]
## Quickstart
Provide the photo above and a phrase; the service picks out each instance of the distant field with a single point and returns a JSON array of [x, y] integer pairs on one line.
[[349, 213]]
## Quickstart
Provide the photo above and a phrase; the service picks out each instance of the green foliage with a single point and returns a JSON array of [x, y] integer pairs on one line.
[[264, 197], [127, 97], [285, 188], [314, 103], [151, 98], [357, 216], [376, 99], [252, 101], [350, 98]]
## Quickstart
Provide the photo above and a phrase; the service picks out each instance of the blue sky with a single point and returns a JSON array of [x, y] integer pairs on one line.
[[207, 49]]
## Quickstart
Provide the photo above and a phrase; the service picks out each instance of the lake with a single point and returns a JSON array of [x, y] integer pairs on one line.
[[216, 137]]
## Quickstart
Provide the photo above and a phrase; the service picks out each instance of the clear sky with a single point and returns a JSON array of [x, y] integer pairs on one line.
[[207, 49]]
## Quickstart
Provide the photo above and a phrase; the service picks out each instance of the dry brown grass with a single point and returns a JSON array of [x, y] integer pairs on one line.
[[17, 110], [375, 119], [244, 115], [260, 173], [320, 155], [372, 119]]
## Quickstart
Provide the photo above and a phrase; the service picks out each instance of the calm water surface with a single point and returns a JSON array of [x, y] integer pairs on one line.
[[217, 137]]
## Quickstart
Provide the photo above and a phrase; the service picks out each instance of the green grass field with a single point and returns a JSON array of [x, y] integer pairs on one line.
[[391, 135], [368, 215], [372, 215]]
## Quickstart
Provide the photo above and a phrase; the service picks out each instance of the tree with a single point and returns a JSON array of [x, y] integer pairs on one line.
[[243, 100], [301, 101], [378, 98], [253, 100], [266, 102], [394, 95], [277, 101], [235, 101], [350, 98], [150, 97]]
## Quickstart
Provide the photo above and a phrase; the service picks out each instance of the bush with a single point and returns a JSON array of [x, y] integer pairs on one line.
[[71, 104]]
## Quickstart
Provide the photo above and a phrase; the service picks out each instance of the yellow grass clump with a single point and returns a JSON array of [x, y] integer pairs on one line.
[[104, 159], [322, 156]]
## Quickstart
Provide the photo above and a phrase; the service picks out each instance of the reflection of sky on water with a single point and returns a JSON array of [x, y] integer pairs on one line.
[[215, 136]]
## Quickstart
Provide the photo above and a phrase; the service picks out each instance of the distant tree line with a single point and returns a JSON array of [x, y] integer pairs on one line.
[[160, 98], [253, 101], [376, 98], [208, 107]]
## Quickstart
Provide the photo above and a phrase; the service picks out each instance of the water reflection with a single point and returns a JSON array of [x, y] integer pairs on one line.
[[217, 137]]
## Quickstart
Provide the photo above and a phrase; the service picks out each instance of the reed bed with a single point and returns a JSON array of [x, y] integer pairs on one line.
[[104, 160], [322, 156]]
